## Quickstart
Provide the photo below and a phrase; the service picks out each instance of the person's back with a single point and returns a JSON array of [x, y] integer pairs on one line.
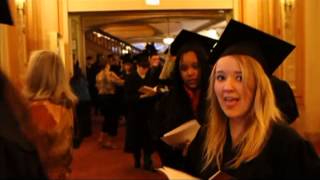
[[54, 132], [92, 71], [82, 124], [19, 157], [79, 86], [51, 101], [106, 83]]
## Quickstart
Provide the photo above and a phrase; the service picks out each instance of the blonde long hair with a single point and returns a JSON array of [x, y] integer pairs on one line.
[[46, 78], [261, 116]]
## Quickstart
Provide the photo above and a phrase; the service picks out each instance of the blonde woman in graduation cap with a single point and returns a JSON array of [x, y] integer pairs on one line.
[[246, 136]]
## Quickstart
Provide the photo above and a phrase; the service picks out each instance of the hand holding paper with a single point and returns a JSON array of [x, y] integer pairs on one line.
[[184, 133], [174, 174], [147, 91], [219, 175]]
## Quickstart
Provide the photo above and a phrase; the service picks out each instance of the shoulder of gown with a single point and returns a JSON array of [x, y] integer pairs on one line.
[[298, 156]]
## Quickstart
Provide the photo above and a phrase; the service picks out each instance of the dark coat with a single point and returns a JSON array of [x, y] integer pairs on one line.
[[139, 113], [19, 162], [18, 157], [285, 156], [285, 99], [173, 110], [91, 77], [154, 75]]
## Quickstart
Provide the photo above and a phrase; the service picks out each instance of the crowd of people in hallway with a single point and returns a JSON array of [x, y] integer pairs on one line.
[[226, 85]]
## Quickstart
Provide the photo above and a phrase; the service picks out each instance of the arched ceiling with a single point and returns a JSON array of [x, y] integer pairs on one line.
[[153, 26]]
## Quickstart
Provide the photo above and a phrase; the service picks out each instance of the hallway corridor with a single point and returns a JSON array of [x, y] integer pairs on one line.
[[90, 161]]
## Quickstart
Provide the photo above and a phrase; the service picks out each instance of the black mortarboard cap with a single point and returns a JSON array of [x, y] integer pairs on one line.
[[150, 49], [242, 39], [185, 37], [142, 59], [5, 15], [126, 58]]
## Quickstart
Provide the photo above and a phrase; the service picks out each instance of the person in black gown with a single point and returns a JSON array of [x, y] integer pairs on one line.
[[186, 99], [19, 157], [285, 99], [140, 108], [245, 136]]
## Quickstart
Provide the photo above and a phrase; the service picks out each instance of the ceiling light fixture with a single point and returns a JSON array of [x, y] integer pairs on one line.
[[20, 4], [168, 39], [152, 2]]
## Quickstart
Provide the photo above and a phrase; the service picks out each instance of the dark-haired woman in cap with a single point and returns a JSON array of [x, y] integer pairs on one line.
[[184, 102]]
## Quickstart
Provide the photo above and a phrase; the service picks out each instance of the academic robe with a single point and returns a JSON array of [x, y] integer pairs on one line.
[[285, 99], [286, 155], [174, 109], [18, 157], [139, 113]]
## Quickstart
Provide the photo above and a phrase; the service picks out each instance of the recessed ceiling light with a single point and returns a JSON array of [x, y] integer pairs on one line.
[[152, 2]]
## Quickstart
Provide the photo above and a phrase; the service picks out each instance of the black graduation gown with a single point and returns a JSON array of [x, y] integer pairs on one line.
[[154, 75], [91, 76], [140, 112], [285, 99], [173, 109], [285, 156], [18, 157], [123, 105]]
